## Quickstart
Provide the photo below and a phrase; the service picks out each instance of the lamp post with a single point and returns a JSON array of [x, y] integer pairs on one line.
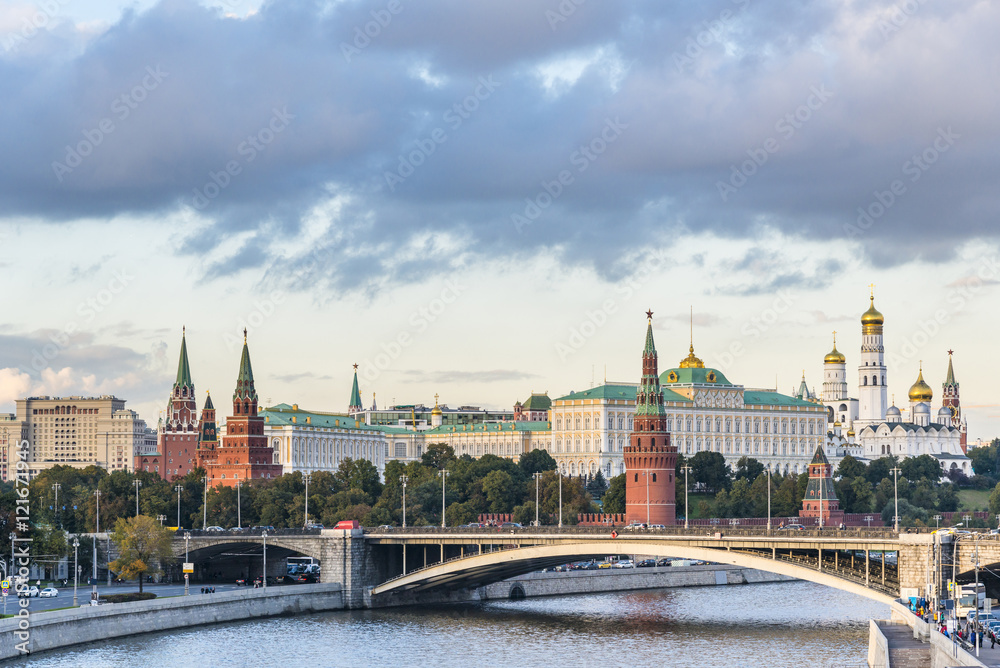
[[966, 518], [937, 521], [239, 518], [76, 568], [204, 504], [162, 518], [868, 519], [263, 576], [179, 489], [687, 510], [138, 484], [97, 530], [187, 539], [975, 560], [768, 497], [895, 487], [403, 479], [444, 476], [55, 507], [537, 476], [734, 522], [307, 477], [560, 498]]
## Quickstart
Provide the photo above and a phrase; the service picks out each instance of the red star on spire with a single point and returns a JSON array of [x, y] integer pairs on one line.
[[355, 367], [649, 314]]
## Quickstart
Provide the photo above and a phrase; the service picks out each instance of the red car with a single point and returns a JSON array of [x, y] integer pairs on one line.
[[348, 524]]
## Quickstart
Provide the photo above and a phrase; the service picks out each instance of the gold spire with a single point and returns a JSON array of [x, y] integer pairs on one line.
[[691, 361], [834, 356]]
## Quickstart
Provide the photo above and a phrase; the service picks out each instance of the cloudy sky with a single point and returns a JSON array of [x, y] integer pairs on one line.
[[481, 199]]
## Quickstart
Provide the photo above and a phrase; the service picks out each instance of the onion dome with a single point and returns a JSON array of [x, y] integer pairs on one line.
[[691, 362], [920, 390], [872, 317], [944, 412], [437, 409], [921, 409], [893, 412], [835, 356]]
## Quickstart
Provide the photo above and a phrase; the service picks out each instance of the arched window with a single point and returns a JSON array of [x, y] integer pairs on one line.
[[637, 477], [864, 380], [874, 380], [654, 477]]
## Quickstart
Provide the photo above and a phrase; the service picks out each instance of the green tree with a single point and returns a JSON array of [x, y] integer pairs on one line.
[[537, 461], [613, 501], [499, 489], [864, 496], [923, 467], [358, 474], [597, 485], [710, 469], [437, 455], [748, 468], [947, 498], [984, 460], [850, 467], [995, 501], [879, 469], [141, 544]]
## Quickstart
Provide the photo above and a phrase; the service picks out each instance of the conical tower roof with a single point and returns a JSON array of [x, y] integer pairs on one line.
[[950, 378], [649, 400], [183, 366], [244, 382], [209, 406], [820, 487], [355, 393]]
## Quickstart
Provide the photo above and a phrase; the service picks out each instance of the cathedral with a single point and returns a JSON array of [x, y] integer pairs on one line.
[[869, 427]]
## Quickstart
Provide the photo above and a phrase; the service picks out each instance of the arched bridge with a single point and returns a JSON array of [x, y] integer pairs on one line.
[[864, 562]]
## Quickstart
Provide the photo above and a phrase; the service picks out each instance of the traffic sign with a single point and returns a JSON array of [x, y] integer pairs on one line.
[[188, 567]]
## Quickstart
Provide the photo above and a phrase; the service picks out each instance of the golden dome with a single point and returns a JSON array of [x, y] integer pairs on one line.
[[921, 391], [437, 409], [835, 356], [691, 362], [872, 316]]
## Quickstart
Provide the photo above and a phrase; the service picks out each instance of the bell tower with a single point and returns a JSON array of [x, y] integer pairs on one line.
[[872, 377]]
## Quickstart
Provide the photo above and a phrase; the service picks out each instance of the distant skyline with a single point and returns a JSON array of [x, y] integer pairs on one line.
[[482, 200]]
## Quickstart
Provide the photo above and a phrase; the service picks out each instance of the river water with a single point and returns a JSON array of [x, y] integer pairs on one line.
[[780, 624]]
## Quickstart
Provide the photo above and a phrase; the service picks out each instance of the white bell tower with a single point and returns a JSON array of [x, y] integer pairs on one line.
[[872, 377]]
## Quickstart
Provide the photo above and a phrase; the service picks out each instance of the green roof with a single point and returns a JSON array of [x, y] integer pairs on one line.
[[282, 414], [620, 392], [537, 402], [183, 367], [244, 382], [355, 393], [764, 398], [693, 376]]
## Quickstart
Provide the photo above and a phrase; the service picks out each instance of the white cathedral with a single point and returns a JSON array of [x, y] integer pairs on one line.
[[867, 427]]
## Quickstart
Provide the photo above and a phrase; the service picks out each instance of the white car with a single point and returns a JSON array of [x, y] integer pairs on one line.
[[625, 563], [49, 592], [28, 591]]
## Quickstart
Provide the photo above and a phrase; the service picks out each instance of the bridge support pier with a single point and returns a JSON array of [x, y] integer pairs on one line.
[[819, 559], [868, 563]]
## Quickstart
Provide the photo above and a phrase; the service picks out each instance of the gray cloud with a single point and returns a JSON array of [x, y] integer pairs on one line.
[[216, 83]]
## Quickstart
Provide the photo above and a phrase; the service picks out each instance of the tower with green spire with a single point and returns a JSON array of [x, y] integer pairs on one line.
[[650, 459], [820, 503], [208, 435], [178, 434], [355, 405], [951, 401], [245, 395]]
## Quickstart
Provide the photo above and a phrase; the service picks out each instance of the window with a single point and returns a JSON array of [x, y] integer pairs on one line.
[[586, 422], [621, 422], [399, 448], [654, 477], [611, 423]]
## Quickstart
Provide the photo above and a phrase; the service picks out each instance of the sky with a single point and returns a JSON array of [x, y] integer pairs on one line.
[[481, 199]]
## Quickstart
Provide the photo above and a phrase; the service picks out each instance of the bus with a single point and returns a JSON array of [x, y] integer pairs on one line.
[[970, 598], [300, 565]]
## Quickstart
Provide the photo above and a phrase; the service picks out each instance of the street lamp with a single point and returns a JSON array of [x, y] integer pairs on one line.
[[966, 518], [179, 489], [403, 479], [444, 475], [307, 477], [687, 510], [560, 498], [537, 476], [97, 530], [161, 518], [263, 576], [55, 507], [138, 484], [768, 497], [937, 521], [895, 486], [187, 560], [239, 518], [76, 568], [204, 504], [975, 560]]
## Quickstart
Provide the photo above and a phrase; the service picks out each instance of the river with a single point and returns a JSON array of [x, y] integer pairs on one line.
[[780, 624]]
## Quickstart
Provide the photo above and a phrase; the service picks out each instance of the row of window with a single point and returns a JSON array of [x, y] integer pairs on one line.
[[697, 424]]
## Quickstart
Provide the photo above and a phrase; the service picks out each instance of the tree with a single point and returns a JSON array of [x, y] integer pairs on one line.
[[438, 455], [141, 542], [864, 496], [850, 467], [748, 468], [984, 460], [613, 501], [358, 474], [597, 485], [710, 469], [923, 467], [499, 489], [880, 469], [537, 461], [947, 499]]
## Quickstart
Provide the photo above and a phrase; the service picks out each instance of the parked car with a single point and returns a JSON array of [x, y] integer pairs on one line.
[[983, 616], [27, 592], [605, 564], [625, 563], [657, 526], [315, 526], [385, 527], [49, 592], [260, 530], [511, 525], [214, 529], [792, 527], [663, 562], [635, 526], [306, 578], [646, 563]]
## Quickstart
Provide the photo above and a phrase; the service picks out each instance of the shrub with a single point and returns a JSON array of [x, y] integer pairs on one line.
[[128, 598]]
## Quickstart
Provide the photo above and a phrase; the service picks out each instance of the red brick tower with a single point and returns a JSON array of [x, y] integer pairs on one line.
[[244, 453], [951, 401], [650, 460], [208, 437], [178, 438], [821, 497]]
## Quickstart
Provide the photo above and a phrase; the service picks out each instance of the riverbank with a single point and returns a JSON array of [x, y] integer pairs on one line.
[[537, 584]]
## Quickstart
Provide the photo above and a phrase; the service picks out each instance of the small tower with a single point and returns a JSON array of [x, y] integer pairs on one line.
[[834, 374], [437, 415], [821, 497], [208, 435], [872, 377], [650, 460], [355, 405], [951, 401], [178, 437]]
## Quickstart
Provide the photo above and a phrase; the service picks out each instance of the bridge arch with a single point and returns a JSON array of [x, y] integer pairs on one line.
[[489, 567]]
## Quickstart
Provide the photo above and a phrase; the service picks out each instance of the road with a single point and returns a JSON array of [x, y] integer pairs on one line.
[[65, 597]]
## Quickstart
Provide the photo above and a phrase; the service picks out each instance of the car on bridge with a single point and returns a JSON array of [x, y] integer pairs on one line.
[[306, 578], [625, 563], [634, 526], [792, 527], [215, 529], [646, 563], [665, 561]]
